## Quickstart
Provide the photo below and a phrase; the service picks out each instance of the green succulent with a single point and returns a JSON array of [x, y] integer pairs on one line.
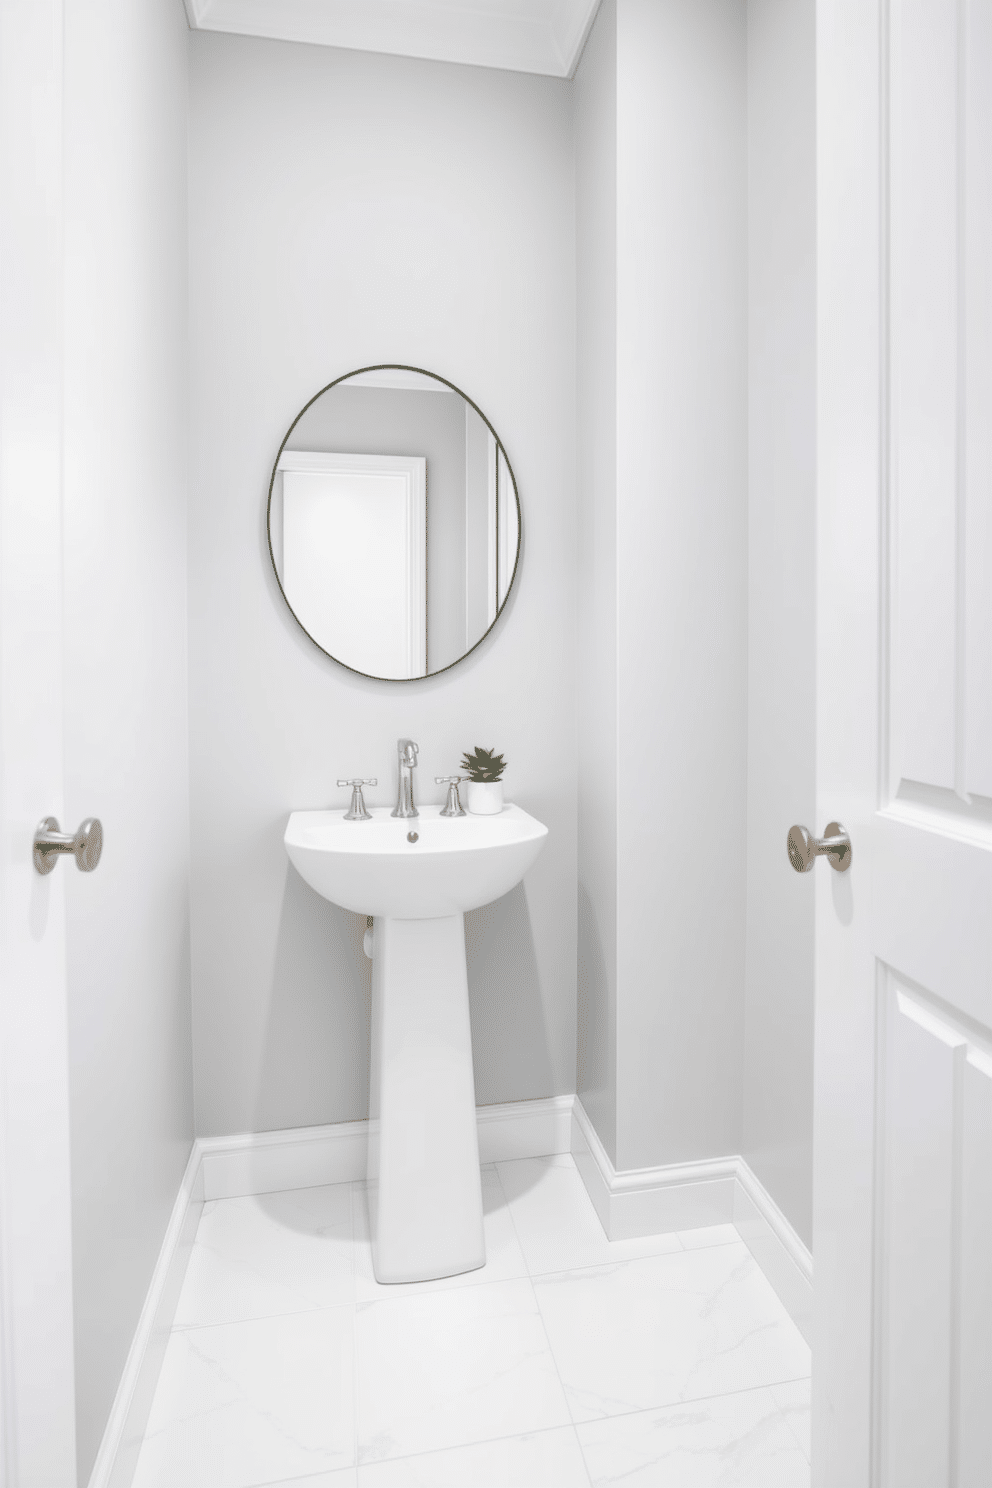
[[483, 765]]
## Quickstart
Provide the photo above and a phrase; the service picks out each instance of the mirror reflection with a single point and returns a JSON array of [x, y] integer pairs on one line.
[[394, 522]]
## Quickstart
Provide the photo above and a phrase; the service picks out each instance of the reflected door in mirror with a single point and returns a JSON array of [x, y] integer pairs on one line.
[[354, 556]]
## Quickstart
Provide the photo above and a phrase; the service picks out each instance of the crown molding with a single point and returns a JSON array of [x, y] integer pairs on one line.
[[538, 36]]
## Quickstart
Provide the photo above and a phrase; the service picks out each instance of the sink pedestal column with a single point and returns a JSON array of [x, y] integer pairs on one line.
[[425, 1193]]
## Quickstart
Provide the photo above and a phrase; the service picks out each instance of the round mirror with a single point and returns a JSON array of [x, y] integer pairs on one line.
[[394, 522]]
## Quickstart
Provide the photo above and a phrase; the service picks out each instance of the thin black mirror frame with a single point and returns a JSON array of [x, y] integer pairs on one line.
[[356, 372]]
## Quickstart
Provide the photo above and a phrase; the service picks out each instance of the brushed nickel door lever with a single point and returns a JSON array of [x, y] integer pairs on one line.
[[86, 846], [804, 848]]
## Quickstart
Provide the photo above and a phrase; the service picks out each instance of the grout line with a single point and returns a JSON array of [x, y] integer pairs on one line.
[[647, 1410], [612, 1262], [544, 1327], [305, 1478], [509, 1210], [485, 1441], [264, 1317], [270, 1193]]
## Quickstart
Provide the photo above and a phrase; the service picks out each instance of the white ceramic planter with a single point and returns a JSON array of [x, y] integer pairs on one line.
[[485, 797]]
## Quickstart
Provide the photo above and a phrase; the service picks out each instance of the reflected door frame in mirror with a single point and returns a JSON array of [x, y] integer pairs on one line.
[[364, 519]]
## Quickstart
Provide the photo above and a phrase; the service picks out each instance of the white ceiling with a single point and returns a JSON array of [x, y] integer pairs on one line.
[[543, 36]]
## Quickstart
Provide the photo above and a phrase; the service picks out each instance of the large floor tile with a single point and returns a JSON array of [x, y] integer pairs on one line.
[[254, 1402], [732, 1441], [276, 1253], [448, 1368], [556, 1224], [545, 1459], [504, 1258], [793, 1400], [667, 1328]]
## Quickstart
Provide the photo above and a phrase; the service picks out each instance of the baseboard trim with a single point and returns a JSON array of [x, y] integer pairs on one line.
[[651, 1201], [309, 1156], [530, 1128], [687, 1196], [118, 1454], [778, 1250]]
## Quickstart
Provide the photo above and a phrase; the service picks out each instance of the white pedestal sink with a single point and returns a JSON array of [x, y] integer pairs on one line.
[[425, 1193]]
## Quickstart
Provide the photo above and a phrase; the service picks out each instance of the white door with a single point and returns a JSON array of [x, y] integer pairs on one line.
[[37, 1423], [902, 1393]]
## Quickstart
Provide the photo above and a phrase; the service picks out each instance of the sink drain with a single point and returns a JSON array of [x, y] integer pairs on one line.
[[413, 836]]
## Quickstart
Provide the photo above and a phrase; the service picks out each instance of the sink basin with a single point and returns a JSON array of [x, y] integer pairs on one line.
[[457, 863], [424, 1188]]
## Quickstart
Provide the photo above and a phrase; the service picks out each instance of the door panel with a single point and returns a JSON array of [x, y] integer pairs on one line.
[[923, 352], [939, 350], [37, 1404], [932, 912], [903, 1148], [934, 1082]]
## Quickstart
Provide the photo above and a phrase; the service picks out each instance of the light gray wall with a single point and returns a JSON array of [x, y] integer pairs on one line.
[[349, 209], [662, 220], [125, 409], [596, 286], [778, 1039], [682, 595]]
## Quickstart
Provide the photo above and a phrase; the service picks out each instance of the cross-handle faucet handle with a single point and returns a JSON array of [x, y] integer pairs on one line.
[[357, 810], [453, 805]]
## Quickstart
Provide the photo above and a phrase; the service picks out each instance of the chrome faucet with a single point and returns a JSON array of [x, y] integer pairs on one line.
[[407, 751]]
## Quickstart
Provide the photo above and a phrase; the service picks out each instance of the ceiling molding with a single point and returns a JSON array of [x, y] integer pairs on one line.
[[542, 36]]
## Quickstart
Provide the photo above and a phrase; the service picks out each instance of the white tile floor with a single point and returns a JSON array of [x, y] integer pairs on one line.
[[566, 1361]]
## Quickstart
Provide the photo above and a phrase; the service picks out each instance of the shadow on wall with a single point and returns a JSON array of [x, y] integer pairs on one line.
[[592, 1057], [509, 1032], [315, 1063]]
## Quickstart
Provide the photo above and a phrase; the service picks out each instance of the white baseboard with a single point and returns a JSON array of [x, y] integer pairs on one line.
[[267, 1162], [308, 1156], [688, 1196], [118, 1454], [651, 1201], [778, 1250]]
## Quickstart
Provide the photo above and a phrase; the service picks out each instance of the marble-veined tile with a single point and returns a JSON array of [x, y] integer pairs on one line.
[[667, 1328], [269, 1254], [544, 1459], [447, 1368], [794, 1400], [729, 1441], [723, 1234], [504, 1258], [252, 1402], [555, 1221]]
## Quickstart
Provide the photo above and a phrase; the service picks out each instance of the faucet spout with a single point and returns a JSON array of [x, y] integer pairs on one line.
[[407, 751]]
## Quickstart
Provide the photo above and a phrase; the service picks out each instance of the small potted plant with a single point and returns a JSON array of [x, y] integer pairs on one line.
[[485, 788]]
